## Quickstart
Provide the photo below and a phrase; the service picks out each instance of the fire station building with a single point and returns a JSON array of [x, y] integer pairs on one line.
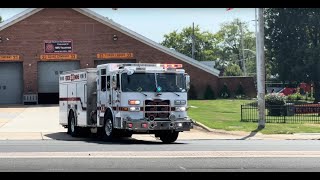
[[39, 44]]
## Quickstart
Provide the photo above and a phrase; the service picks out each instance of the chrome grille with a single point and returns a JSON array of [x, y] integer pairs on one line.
[[157, 108]]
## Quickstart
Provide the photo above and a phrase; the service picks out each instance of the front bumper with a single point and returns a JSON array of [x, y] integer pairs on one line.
[[143, 126]]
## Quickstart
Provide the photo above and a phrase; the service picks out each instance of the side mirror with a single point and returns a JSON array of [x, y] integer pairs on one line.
[[130, 72], [187, 82], [114, 82]]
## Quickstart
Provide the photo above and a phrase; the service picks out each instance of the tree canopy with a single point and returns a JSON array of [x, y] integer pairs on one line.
[[223, 47], [205, 43], [292, 44]]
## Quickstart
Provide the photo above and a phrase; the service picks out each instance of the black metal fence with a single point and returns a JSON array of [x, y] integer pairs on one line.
[[288, 113]]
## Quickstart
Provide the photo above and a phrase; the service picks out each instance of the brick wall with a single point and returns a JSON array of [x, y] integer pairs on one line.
[[233, 83], [89, 38]]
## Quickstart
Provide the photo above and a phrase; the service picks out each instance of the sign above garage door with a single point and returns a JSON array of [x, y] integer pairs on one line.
[[114, 55], [58, 56], [58, 46], [9, 57]]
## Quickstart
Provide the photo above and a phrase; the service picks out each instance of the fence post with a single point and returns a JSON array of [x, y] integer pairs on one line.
[[285, 113], [241, 114]]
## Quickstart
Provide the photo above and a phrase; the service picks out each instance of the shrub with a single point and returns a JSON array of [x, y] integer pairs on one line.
[[295, 97], [240, 97], [240, 94], [274, 103], [240, 90], [209, 93], [192, 94], [225, 93], [275, 99]]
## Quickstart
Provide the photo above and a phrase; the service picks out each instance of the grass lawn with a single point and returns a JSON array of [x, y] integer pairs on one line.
[[225, 114]]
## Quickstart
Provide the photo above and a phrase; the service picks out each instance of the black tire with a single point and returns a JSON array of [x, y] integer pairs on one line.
[[169, 137], [128, 134], [72, 129], [108, 130], [125, 134]]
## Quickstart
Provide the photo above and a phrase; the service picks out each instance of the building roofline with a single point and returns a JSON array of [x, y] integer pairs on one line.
[[118, 27], [145, 40], [19, 17]]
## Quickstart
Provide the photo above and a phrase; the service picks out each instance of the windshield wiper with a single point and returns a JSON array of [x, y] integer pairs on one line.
[[175, 93], [143, 93], [137, 91]]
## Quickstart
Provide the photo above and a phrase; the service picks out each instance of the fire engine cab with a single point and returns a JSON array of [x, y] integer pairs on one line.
[[121, 99]]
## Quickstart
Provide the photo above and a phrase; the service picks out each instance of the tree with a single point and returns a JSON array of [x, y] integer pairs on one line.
[[0, 19], [223, 47], [205, 43], [229, 37], [233, 70], [293, 44]]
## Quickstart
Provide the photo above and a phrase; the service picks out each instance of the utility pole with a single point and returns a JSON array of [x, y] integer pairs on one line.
[[242, 47], [261, 71], [193, 48]]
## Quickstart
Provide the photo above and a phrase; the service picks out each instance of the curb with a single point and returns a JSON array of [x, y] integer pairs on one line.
[[262, 136], [206, 128], [202, 126]]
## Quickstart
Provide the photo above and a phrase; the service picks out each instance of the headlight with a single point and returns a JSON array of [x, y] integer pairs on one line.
[[180, 108], [134, 109], [134, 102], [180, 102]]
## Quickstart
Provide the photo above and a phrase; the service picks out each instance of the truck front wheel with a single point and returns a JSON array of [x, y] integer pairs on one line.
[[108, 130], [169, 137]]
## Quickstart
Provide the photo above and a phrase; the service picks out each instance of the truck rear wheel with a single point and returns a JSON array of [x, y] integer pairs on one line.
[[72, 129], [169, 137]]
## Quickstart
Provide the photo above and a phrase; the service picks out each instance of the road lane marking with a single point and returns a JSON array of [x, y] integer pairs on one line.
[[182, 168], [160, 154]]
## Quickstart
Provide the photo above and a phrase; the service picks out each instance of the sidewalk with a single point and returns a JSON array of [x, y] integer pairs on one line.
[[258, 135]]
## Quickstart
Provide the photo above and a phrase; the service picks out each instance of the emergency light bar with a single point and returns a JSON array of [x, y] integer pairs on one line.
[[166, 66]]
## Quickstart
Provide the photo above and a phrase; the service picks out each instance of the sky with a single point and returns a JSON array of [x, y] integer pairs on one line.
[[154, 23]]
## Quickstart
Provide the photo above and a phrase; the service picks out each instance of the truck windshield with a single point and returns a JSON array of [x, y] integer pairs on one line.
[[138, 82], [146, 82], [170, 82]]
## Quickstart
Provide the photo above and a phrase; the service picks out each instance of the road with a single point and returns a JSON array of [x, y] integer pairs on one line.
[[31, 139], [138, 155]]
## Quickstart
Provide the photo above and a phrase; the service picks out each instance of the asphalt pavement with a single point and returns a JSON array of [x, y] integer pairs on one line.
[[41, 122], [183, 156]]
